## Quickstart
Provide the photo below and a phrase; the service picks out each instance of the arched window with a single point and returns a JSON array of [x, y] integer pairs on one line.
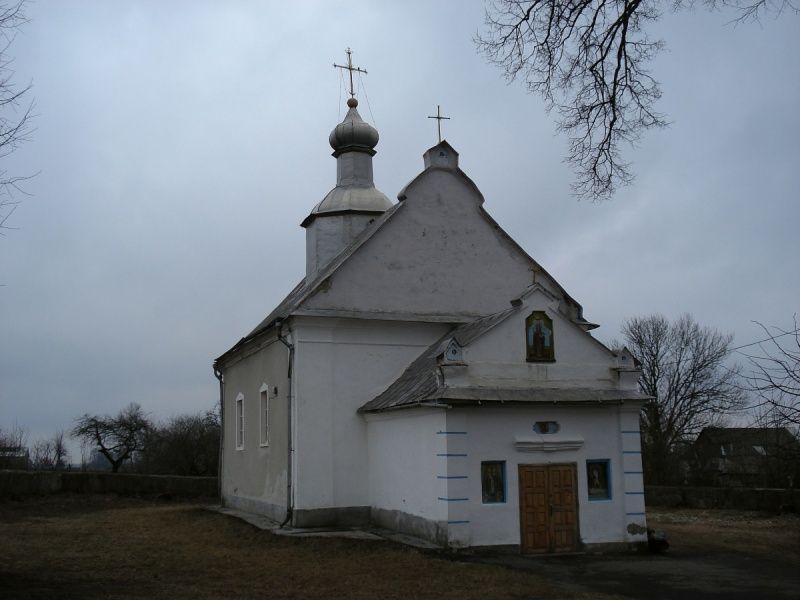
[[539, 337], [263, 414], [240, 421]]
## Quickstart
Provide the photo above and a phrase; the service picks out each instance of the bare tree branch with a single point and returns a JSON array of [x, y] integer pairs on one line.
[[117, 438], [15, 116], [588, 59], [50, 454], [774, 378]]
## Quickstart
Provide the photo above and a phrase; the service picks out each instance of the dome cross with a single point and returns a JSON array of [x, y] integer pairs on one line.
[[349, 66]]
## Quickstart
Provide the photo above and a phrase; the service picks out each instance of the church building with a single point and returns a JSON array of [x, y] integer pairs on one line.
[[429, 377]]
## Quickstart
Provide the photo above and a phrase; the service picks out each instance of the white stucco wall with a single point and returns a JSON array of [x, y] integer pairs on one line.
[[255, 477], [490, 435], [407, 462], [327, 236], [341, 364]]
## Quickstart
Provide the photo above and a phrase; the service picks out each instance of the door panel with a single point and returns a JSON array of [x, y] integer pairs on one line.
[[548, 508]]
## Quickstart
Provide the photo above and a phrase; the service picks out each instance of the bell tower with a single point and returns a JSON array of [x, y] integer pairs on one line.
[[350, 206]]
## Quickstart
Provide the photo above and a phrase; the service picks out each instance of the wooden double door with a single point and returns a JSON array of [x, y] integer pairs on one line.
[[548, 505]]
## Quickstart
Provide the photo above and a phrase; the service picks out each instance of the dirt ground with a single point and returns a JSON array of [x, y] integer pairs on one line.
[[714, 554], [107, 547]]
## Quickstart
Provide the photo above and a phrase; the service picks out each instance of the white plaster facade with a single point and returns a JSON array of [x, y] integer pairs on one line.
[[371, 418]]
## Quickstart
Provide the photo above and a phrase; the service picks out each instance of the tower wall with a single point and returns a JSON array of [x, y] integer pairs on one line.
[[326, 237]]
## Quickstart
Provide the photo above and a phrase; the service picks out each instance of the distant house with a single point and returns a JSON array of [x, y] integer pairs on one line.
[[14, 457], [747, 456]]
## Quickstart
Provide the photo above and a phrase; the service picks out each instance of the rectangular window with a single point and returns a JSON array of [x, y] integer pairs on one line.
[[240, 422], [598, 477], [493, 481], [264, 415]]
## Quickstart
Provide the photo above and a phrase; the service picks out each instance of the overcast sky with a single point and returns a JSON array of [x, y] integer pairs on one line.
[[180, 145]]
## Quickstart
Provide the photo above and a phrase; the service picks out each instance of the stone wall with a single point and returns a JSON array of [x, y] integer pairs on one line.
[[767, 499], [24, 483]]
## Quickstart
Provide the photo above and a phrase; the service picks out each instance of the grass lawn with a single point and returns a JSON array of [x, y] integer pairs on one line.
[[66, 546], [107, 547], [751, 533]]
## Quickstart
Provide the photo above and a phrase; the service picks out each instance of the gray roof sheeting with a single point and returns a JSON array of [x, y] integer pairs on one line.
[[307, 287]]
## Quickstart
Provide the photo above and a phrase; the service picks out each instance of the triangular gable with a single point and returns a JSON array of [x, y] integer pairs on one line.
[[374, 240], [424, 382], [495, 346], [442, 255]]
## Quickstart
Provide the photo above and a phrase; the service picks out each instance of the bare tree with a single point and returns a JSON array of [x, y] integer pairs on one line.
[[774, 378], [184, 445], [117, 438], [15, 116], [14, 452], [50, 454], [589, 59], [683, 370]]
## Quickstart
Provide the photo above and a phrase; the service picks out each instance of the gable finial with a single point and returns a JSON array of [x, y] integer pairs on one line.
[[349, 66], [439, 118]]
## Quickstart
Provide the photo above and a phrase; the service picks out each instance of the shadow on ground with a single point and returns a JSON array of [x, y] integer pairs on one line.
[[687, 575]]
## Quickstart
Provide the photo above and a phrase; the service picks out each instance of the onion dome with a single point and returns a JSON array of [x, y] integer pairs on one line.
[[353, 134]]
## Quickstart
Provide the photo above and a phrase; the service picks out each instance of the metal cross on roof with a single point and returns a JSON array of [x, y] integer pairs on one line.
[[349, 66], [439, 118]]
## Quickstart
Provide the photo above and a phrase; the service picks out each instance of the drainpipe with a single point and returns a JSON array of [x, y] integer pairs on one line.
[[289, 507], [218, 375]]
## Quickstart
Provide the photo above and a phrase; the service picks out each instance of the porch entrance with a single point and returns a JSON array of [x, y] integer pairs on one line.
[[548, 508]]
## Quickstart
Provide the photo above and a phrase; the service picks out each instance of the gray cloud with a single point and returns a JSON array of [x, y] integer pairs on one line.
[[181, 144]]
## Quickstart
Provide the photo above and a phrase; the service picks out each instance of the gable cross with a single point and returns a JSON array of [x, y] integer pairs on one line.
[[349, 66], [439, 118]]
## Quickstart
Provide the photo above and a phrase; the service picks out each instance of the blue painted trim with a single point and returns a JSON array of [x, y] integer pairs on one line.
[[451, 454], [634, 514], [451, 433], [633, 472], [634, 493], [631, 451], [453, 499], [452, 477], [457, 522], [630, 431]]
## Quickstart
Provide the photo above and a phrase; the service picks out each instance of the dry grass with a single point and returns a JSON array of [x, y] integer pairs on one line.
[[776, 537], [102, 547], [108, 547]]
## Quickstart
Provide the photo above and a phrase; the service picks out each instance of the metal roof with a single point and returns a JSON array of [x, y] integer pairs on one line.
[[307, 287]]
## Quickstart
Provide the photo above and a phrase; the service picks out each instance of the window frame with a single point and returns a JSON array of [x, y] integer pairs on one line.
[[529, 350], [551, 427], [504, 479], [239, 421], [263, 415], [606, 464]]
